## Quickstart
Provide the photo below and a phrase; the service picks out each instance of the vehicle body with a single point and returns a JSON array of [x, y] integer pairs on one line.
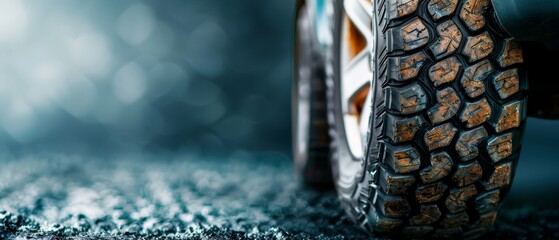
[[425, 104]]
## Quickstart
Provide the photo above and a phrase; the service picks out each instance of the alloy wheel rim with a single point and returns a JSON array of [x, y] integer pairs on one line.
[[356, 65]]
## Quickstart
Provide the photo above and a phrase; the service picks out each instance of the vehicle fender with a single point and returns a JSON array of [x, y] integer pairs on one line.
[[529, 20]]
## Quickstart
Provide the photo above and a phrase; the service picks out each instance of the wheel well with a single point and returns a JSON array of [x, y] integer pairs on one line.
[[543, 95]]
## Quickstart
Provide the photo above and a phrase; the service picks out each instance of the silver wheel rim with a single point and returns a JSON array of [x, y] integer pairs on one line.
[[356, 74]]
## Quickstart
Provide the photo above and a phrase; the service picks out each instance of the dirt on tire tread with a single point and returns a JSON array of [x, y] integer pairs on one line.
[[474, 117]]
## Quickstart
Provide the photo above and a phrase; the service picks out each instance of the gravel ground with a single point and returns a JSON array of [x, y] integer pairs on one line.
[[244, 195]]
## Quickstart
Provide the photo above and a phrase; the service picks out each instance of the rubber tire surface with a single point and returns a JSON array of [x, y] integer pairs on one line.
[[313, 167], [447, 124]]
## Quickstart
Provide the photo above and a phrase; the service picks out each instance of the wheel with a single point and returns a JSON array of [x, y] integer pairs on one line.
[[310, 127], [427, 103]]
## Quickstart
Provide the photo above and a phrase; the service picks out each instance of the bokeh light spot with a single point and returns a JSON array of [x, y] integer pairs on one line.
[[136, 24], [163, 77], [91, 53], [19, 120], [78, 96], [129, 83], [205, 47], [47, 78], [13, 20]]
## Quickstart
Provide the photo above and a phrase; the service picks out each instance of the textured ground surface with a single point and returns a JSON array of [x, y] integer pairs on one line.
[[241, 196]]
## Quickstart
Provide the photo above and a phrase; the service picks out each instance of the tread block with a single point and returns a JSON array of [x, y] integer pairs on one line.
[[380, 222], [456, 201], [486, 220], [467, 174], [441, 8], [409, 100], [478, 47], [395, 184], [448, 104], [417, 230], [476, 113], [402, 129], [365, 194], [488, 201], [407, 67], [500, 147], [472, 13], [507, 83], [387, 224], [512, 53], [448, 41], [393, 206], [414, 35], [440, 136], [474, 233], [467, 144], [402, 159], [452, 221], [430, 193], [400, 8], [441, 165], [427, 215], [447, 232], [510, 117], [474, 77], [444, 71], [501, 176]]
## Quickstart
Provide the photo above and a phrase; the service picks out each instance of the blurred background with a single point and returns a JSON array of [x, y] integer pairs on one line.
[[101, 76], [198, 76]]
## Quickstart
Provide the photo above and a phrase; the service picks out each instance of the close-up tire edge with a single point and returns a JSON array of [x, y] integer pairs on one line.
[[449, 110]]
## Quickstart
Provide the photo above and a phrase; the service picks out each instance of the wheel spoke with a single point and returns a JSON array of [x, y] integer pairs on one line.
[[356, 77], [360, 14], [356, 74], [353, 135], [367, 7]]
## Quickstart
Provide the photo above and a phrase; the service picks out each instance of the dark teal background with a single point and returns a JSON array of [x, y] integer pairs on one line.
[[213, 76]]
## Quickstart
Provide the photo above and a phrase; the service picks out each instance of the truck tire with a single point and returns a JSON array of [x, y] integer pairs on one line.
[[440, 115], [311, 141]]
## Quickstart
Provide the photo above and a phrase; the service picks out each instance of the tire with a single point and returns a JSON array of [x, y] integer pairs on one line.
[[311, 141], [448, 110]]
